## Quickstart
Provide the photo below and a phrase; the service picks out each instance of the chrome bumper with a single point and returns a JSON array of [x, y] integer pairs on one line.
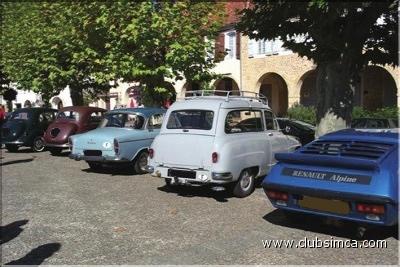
[[97, 158], [66, 145]]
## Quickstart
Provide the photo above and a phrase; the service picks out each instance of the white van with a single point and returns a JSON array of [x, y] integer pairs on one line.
[[211, 139]]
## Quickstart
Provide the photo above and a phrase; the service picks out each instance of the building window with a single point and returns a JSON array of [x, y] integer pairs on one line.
[[230, 45], [264, 47]]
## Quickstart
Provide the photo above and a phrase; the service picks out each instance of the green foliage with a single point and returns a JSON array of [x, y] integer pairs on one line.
[[381, 113], [302, 113]]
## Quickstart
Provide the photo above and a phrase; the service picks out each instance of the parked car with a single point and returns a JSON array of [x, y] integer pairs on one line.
[[305, 132], [350, 174], [69, 121], [223, 140], [373, 123], [25, 127], [123, 136]]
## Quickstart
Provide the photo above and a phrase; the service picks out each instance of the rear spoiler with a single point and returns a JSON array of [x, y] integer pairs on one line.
[[330, 161]]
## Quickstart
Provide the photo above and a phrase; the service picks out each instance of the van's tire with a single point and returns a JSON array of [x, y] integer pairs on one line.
[[168, 182], [55, 151], [95, 166], [141, 162], [38, 144], [245, 184], [12, 148]]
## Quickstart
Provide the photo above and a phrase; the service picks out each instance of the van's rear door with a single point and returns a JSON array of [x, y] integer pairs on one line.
[[187, 139]]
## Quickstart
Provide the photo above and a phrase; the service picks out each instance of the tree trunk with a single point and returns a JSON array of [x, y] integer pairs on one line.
[[336, 83], [76, 93]]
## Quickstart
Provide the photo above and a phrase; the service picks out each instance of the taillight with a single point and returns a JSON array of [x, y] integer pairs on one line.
[[370, 208], [277, 195], [214, 157], [151, 153], [116, 146]]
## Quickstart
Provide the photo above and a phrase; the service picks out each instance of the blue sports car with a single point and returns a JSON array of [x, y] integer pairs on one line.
[[350, 174], [123, 136]]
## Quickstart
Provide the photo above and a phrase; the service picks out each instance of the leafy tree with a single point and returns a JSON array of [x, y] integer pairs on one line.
[[158, 42], [48, 46], [342, 38], [85, 45]]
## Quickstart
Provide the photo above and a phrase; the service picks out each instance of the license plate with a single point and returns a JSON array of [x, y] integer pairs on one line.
[[322, 204]]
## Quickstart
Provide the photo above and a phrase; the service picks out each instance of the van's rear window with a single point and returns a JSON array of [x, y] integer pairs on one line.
[[191, 119]]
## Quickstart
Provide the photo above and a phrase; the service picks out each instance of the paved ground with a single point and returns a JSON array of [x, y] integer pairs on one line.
[[56, 211]]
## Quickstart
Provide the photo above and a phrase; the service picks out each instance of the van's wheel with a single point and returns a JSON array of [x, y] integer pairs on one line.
[[55, 151], [95, 166], [141, 162], [168, 182], [245, 184], [12, 148], [38, 144]]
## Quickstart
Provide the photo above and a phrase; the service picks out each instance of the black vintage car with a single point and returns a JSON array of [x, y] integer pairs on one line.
[[305, 132], [25, 127]]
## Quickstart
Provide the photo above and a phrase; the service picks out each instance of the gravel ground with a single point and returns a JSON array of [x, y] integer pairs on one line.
[[57, 211]]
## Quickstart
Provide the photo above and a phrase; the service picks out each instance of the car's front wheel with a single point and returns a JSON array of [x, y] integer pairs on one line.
[[12, 148], [245, 184], [38, 144], [95, 166], [55, 151], [141, 162]]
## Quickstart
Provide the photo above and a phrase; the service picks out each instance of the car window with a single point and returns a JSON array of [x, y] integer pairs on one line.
[[191, 119], [123, 120], [270, 122], [95, 117], [155, 121], [19, 116], [377, 124], [358, 124], [46, 116], [68, 115], [241, 121]]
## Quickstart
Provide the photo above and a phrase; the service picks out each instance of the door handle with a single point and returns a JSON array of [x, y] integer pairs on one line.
[[270, 134]]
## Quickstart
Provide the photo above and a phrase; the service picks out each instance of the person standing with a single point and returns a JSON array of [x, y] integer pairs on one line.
[[2, 115]]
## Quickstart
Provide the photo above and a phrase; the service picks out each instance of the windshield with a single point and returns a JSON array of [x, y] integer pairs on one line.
[[19, 115], [68, 115], [123, 120], [190, 119]]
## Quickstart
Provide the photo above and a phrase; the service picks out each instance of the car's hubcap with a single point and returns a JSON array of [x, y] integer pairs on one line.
[[245, 182], [39, 146]]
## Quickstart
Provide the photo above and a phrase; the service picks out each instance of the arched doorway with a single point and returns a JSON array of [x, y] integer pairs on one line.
[[378, 88], [308, 89], [226, 84], [27, 104], [57, 103], [274, 87], [190, 86]]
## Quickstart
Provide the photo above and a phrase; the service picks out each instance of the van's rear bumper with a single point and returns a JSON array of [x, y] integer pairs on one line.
[[200, 176]]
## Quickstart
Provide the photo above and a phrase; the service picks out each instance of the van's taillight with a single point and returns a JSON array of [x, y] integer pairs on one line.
[[370, 208], [214, 157], [116, 146], [277, 195], [151, 153]]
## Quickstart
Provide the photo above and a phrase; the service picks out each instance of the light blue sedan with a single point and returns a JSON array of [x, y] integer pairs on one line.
[[123, 136]]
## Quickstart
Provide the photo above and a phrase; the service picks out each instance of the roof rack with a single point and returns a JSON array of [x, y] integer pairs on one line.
[[228, 95]]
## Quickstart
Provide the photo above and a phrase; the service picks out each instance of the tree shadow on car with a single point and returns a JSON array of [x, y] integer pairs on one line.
[[337, 228], [37, 255], [197, 191], [11, 231], [16, 161]]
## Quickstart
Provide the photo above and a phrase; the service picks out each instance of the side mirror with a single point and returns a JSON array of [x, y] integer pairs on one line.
[[287, 129]]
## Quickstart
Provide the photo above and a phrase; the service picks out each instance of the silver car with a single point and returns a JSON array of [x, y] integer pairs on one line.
[[225, 140]]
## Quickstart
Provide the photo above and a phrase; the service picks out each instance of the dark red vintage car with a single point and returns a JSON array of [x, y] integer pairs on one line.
[[70, 121]]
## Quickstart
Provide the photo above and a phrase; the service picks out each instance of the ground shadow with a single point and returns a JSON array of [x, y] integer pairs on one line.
[[198, 191], [37, 255], [61, 154], [22, 150], [113, 170], [16, 161], [11, 231], [344, 229]]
